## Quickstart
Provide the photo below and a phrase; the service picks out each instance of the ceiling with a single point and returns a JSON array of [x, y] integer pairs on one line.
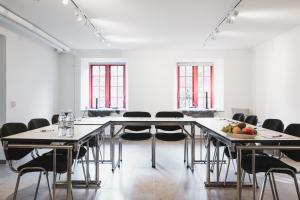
[[163, 24]]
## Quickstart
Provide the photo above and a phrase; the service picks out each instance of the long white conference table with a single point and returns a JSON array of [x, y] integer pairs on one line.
[[86, 128]]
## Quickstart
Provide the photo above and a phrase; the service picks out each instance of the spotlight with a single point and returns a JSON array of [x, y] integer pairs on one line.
[[213, 36], [232, 16], [217, 30], [78, 15], [65, 2]]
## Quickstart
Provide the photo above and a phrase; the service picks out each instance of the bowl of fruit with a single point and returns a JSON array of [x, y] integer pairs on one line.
[[240, 130]]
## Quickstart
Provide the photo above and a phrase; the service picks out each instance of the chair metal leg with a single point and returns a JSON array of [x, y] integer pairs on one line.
[[94, 154], [227, 171], [185, 145], [84, 174], [153, 151], [271, 184], [243, 177], [274, 184], [48, 183], [222, 159], [263, 188], [38, 185], [214, 160], [120, 152], [297, 187], [187, 154], [16, 187]]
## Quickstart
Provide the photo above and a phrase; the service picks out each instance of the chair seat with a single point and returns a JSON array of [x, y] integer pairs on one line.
[[45, 162], [63, 152], [263, 163], [136, 136], [170, 136]]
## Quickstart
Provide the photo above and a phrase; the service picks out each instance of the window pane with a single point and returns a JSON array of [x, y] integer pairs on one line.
[[120, 102], [182, 92], [113, 102], [114, 70], [189, 82], [120, 71], [113, 92], [102, 103], [200, 71], [207, 84], [182, 82], [189, 71], [120, 92], [102, 71], [207, 70], [182, 102], [95, 81], [182, 70], [102, 82], [113, 81], [120, 81], [96, 91], [95, 70], [102, 92]]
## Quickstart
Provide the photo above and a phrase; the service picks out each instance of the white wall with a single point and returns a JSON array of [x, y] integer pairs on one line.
[[152, 77], [276, 69], [2, 79], [31, 76]]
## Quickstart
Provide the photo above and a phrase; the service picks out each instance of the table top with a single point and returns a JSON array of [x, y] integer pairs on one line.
[[85, 126], [50, 133], [263, 135]]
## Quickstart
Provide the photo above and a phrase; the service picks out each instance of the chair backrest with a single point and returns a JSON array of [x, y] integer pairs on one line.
[[273, 124], [37, 123], [239, 117], [12, 129], [137, 114], [292, 129], [251, 119], [54, 119], [169, 114]]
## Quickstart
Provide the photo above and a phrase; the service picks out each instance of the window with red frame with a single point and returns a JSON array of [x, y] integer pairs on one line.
[[195, 86], [107, 86]]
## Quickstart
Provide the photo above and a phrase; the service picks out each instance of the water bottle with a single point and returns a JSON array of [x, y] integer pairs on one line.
[[61, 124], [70, 118]]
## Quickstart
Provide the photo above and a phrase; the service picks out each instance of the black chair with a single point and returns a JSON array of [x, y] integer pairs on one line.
[[169, 133], [251, 119], [76, 155], [270, 165], [239, 117], [54, 119], [134, 133], [273, 124], [42, 164]]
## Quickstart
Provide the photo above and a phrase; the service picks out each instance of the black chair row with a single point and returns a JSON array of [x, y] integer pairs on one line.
[[163, 132]]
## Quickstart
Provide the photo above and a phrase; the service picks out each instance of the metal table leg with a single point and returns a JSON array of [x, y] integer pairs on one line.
[[239, 182], [193, 147]]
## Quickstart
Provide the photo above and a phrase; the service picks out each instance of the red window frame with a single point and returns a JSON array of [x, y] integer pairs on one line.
[[107, 84], [195, 85]]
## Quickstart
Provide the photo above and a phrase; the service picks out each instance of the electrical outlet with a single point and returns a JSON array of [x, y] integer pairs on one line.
[[13, 104]]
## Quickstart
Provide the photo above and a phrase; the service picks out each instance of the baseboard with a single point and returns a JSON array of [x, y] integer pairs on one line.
[[2, 162]]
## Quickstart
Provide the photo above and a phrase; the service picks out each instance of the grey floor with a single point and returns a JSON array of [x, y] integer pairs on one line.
[[136, 179]]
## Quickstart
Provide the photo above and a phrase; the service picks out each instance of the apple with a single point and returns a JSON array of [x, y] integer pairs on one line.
[[236, 130]]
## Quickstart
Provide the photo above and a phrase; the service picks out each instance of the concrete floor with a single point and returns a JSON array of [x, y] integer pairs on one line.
[[136, 179]]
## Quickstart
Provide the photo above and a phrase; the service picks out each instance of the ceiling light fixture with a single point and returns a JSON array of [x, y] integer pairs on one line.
[[229, 18], [17, 19], [80, 16]]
